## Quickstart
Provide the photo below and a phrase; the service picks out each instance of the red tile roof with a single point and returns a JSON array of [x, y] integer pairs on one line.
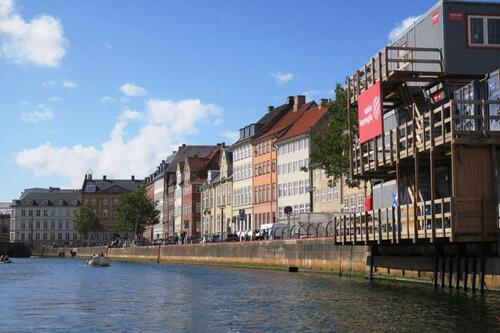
[[284, 123], [304, 124]]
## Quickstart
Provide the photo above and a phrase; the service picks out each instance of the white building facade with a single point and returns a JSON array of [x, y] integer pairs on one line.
[[45, 217], [293, 181], [242, 186]]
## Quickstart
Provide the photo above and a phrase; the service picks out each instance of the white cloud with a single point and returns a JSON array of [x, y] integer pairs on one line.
[[69, 84], [39, 41], [108, 46], [401, 27], [48, 83], [232, 136], [6, 7], [162, 126], [281, 77], [129, 115], [108, 100], [40, 113], [132, 90], [54, 99]]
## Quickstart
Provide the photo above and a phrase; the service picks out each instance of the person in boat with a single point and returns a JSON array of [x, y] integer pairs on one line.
[[1, 257], [102, 254]]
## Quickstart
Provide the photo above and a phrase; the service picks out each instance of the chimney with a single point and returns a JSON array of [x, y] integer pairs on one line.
[[85, 176], [132, 177], [90, 176], [184, 145], [223, 145], [299, 100], [290, 100], [323, 103], [270, 108], [104, 177]]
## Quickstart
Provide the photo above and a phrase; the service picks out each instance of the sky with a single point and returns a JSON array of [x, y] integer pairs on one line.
[[115, 86]]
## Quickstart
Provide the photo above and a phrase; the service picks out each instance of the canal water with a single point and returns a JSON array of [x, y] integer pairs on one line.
[[63, 295]]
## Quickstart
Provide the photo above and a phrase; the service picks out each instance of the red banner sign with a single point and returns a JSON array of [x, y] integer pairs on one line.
[[456, 16], [370, 118]]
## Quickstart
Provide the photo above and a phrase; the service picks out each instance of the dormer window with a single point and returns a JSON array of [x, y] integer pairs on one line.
[[90, 188]]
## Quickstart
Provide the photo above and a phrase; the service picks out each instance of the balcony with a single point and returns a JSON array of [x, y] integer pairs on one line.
[[394, 65], [458, 121]]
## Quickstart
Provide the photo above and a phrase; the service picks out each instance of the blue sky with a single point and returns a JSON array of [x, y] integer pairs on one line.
[[116, 85]]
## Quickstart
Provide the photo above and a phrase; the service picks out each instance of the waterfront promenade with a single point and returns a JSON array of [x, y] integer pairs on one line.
[[62, 295]]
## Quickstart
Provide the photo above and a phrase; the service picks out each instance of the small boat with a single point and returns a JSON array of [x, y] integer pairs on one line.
[[8, 261], [98, 261]]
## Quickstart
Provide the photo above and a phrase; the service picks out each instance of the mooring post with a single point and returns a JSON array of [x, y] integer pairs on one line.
[[458, 273]]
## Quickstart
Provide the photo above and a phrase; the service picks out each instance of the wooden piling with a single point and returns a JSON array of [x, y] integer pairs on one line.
[[450, 273], [466, 272]]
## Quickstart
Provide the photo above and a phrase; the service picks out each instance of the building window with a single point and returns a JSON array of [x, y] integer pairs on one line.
[[93, 201], [484, 31], [105, 201], [105, 213]]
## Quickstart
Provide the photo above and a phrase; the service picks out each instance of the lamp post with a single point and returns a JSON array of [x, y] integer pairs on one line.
[[221, 219]]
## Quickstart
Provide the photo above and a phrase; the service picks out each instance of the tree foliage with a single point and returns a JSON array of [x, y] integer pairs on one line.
[[330, 149], [135, 211], [86, 221]]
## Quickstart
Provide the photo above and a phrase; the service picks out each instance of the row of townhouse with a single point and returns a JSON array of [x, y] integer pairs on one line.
[[235, 189]]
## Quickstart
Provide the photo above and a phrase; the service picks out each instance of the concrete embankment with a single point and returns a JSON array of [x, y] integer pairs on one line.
[[413, 262]]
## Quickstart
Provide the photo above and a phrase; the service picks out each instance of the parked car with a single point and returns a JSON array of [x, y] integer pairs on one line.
[[172, 240], [230, 238]]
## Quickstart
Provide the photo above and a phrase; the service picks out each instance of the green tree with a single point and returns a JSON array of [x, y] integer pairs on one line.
[[135, 211], [86, 221], [330, 149]]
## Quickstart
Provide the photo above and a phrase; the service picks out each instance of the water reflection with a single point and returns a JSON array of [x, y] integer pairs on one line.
[[52, 295]]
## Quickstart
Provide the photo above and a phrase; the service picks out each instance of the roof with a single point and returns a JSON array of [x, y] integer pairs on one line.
[[284, 123], [304, 124], [267, 120], [5, 208], [104, 184], [187, 150], [49, 197]]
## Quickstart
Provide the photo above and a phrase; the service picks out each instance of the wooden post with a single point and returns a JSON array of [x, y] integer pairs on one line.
[[483, 268], [372, 260], [443, 268], [450, 273], [473, 274], [436, 265], [379, 214], [466, 271], [398, 184], [458, 272], [349, 125]]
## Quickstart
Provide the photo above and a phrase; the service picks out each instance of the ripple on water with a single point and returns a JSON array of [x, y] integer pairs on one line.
[[52, 295]]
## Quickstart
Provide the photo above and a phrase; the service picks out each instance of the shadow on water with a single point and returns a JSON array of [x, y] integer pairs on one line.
[[52, 295]]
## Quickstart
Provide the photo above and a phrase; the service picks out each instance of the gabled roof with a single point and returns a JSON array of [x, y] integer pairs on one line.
[[187, 150], [305, 122], [268, 120], [284, 123]]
